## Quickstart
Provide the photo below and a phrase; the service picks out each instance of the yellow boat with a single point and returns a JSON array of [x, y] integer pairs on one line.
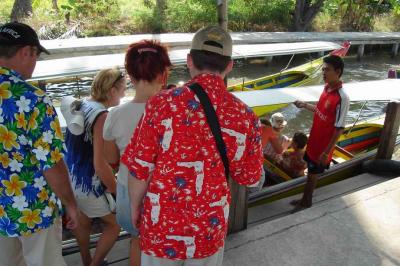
[[303, 75]]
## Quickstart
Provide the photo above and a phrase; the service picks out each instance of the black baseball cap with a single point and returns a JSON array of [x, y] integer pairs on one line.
[[15, 33]]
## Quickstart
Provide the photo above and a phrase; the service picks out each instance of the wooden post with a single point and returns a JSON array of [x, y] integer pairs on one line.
[[389, 132], [360, 51], [238, 207], [395, 49]]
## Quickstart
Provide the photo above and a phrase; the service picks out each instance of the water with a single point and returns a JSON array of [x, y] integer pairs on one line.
[[371, 67]]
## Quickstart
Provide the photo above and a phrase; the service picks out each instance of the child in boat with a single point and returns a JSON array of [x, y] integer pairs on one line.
[[292, 160]]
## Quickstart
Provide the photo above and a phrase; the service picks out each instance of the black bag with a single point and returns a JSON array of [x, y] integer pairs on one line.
[[213, 122]]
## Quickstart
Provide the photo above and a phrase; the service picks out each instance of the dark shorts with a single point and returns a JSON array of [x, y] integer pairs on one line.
[[313, 167]]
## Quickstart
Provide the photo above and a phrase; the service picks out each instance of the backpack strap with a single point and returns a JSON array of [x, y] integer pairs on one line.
[[213, 122]]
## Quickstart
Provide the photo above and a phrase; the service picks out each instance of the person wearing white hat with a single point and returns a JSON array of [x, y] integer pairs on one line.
[[274, 142]]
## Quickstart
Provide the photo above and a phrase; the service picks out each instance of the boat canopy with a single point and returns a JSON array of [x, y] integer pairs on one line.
[[83, 65], [377, 90]]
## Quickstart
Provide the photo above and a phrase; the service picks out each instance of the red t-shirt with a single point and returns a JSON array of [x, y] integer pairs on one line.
[[329, 114], [186, 208]]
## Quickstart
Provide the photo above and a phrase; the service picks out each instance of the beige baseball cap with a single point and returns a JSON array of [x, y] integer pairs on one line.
[[213, 39]]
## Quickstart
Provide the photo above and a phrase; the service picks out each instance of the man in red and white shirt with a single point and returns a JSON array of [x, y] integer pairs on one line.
[[178, 177], [328, 124]]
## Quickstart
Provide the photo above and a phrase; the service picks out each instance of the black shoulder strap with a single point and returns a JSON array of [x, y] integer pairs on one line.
[[213, 122]]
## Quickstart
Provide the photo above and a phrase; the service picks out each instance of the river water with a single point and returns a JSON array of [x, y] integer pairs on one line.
[[371, 67]]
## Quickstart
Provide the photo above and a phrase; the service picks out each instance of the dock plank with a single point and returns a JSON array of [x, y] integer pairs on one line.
[[360, 228], [280, 208]]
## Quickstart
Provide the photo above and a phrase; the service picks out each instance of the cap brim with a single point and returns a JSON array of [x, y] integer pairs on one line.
[[43, 50]]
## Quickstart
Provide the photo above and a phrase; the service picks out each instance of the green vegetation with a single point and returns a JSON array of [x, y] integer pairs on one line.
[[115, 17]]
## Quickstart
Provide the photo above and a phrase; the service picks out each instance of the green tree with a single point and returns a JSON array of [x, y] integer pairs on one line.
[[358, 15]]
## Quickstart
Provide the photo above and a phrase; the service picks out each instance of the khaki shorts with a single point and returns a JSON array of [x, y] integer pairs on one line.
[[94, 207], [39, 249], [213, 260]]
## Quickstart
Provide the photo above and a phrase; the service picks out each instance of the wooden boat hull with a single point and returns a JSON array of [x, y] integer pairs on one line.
[[303, 75]]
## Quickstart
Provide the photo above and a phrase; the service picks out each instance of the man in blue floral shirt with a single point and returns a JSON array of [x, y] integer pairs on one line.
[[32, 172]]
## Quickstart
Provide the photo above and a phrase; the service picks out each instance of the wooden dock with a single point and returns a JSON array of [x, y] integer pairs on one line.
[[117, 44], [265, 215]]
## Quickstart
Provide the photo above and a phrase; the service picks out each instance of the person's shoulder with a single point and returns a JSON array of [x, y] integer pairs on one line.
[[126, 107], [168, 96], [343, 94]]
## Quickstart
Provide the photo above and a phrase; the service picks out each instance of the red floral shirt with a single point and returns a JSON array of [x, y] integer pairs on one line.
[[186, 208]]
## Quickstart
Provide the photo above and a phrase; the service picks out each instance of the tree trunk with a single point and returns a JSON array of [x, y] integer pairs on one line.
[[222, 10], [55, 5], [304, 13], [160, 6], [21, 10]]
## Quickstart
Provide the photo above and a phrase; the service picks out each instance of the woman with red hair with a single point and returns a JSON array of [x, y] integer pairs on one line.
[[147, 64]]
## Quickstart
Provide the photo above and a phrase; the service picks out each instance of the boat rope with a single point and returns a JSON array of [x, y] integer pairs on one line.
[[288, 64], [358, 117]]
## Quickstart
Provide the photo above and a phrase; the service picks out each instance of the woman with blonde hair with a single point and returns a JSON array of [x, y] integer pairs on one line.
[[91, 175], [147, 65]]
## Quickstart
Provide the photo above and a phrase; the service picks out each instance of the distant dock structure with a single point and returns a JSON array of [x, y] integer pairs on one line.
[[62, 48]]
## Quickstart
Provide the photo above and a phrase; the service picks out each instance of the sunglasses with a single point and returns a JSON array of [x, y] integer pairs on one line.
[[120, 76]]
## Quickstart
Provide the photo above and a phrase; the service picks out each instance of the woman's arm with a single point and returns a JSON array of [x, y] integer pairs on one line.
[[111, 152], [276, 144], [101, 166]]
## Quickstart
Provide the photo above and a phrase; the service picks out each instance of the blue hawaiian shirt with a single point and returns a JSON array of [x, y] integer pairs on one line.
[[31, 141]]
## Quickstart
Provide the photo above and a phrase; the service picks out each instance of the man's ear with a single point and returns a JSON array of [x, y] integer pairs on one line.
[[189, 61], [228, 68], [25, 51], [338, 72]]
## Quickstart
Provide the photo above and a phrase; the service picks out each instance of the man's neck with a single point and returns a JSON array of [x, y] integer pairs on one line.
[[333, 85], [10, 65], [195, 73]]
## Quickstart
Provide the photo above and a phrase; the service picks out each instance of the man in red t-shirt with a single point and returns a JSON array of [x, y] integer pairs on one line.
[[328, 124], [177, 175]]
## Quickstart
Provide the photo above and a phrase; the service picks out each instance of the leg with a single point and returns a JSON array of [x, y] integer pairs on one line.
[[213, 260], [134, 252], [82, 234], [154, 261], [306, 201], [44, 248], [11, 252], [124, 219], [108, 237]]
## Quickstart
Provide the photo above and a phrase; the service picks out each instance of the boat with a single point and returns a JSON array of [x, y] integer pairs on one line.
[[355, 140], [265, 101], [303, 75]]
